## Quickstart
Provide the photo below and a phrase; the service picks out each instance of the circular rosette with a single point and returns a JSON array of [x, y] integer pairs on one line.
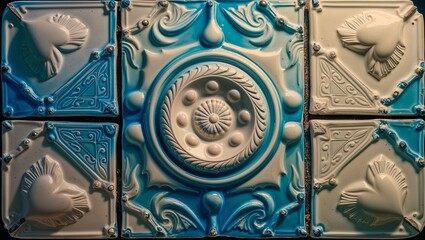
[[214, 118]]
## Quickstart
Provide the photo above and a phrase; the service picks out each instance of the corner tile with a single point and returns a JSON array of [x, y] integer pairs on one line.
[[58, 59], [367, 57], [368, 178], [59, 179]]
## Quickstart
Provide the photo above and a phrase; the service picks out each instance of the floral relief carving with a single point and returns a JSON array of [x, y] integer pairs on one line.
[[48, 199], [379, 199], [42, 50], [363, 35], [214, 117]]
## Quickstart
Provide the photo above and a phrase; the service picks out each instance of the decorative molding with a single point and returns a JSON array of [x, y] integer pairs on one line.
[[379, 199], [363, 35], [207, 164]]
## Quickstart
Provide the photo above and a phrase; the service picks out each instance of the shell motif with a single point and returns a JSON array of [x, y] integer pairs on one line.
[[48, 38], [379, 199], [363, 34], [48, 199]]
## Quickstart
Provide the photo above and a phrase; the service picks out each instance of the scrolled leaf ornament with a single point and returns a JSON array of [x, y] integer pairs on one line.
[[213, 118]]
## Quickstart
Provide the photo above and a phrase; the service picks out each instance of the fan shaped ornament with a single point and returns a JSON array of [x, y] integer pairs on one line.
[[48, 38], [378, 200], [48, 199], [378, 36]]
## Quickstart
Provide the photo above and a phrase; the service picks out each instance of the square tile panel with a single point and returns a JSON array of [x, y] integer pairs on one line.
[[368, 178], [213, 101], [59, 179], [58, 58], [367, 57]]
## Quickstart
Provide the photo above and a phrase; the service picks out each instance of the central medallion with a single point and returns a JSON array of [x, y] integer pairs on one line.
[[213, 118]]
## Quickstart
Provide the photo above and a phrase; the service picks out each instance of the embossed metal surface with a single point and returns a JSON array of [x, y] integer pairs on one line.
[[58, 58], [366, 57], [368, 178], [213, 97], [59, 179]]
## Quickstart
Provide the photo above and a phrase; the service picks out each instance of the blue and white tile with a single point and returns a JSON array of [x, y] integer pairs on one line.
[[367, 58], [213, 102], [59, 179], [58, 59], [368, 178]]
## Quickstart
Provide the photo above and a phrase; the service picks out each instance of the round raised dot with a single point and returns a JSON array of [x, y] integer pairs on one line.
[[292, 132], [236, 139], [182, 120], [190, 97], [134, 100], [234, 95], [213, 118], [214, 149], [244, 116], [211, 87], [293, 100], [192, 140]]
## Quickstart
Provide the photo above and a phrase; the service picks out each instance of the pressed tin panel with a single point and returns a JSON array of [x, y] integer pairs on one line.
[[58, 58], [366, 58], [368, 178], [58, 179], [212, 105]]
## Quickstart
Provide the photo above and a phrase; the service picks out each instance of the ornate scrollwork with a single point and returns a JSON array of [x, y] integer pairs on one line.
[[92, 90], [248, 21], [338, 145], [341, 91]]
